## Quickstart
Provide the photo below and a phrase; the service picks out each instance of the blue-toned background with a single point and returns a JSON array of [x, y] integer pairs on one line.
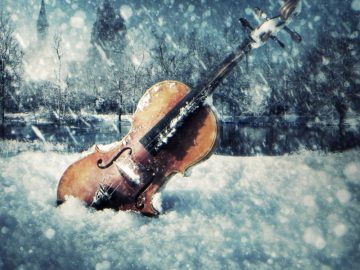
[[282, 189]]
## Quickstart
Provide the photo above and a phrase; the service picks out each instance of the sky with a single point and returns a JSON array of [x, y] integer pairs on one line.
[[73, 20]]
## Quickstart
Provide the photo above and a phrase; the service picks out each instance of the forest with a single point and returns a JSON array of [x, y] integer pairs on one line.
[[319, 80]]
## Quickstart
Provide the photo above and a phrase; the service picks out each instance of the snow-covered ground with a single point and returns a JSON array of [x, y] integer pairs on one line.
[[291, 212]]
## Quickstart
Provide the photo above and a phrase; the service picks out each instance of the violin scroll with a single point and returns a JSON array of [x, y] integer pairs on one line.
[[270, 27], [291, 8]]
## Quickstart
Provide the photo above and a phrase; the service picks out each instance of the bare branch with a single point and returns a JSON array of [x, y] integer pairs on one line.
[[57, 45]]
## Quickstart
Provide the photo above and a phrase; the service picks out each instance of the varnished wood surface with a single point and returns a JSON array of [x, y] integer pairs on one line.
[[192, 142]]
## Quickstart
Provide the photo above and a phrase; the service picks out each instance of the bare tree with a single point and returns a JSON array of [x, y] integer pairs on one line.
[[57, 45], [10, 61], [117, 87]]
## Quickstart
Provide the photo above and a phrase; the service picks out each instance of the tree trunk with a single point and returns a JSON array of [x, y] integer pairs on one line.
[[2, 104], [2, 94]]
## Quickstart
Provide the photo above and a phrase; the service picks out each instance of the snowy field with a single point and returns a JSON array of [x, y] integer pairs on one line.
[[291, 212]]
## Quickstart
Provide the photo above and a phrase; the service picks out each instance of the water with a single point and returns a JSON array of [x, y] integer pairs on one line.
[[235, 139], [77, 136], [247, 140]]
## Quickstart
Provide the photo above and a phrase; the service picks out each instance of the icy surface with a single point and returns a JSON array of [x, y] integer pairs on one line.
[[294, 212]]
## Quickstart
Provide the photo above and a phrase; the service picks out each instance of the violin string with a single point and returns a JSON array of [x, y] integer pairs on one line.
[[100, 185], [150, 145], [118, 185], [109, 187], [193, 102], [200, 95]]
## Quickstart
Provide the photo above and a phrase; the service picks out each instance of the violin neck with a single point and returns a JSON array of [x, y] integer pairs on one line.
[[165, 129], [226, 66]]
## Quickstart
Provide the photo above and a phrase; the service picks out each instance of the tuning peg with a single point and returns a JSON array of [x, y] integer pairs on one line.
[[245, 23], [294, 35], [281, 44]]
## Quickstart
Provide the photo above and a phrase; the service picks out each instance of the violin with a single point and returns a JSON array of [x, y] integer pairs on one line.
[[173, 129]]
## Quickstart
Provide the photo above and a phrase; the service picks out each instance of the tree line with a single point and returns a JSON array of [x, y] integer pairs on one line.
[[320, 82]]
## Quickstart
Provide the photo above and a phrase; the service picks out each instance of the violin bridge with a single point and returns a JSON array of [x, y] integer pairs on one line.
[[101, 196]]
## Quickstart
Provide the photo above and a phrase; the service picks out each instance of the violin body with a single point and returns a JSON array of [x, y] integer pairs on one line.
[[127, 176]]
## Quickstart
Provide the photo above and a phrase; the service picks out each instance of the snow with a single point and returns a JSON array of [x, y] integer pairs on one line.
[[352, 172], [129, 170], [144, 102], [309, 201], [21, 41], [78, 20], [340, 229], [294, 212], [355, 5], [126, 12], [40, 59], [257, 96], [49, 233], [343, 196], [110, 117], [313, 237], [104, 265], [170, 131], [103, 55], [135, 60], [38, 133], [71, 135]]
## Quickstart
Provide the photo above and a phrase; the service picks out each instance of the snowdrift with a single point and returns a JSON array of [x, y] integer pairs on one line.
[[295, 212]]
